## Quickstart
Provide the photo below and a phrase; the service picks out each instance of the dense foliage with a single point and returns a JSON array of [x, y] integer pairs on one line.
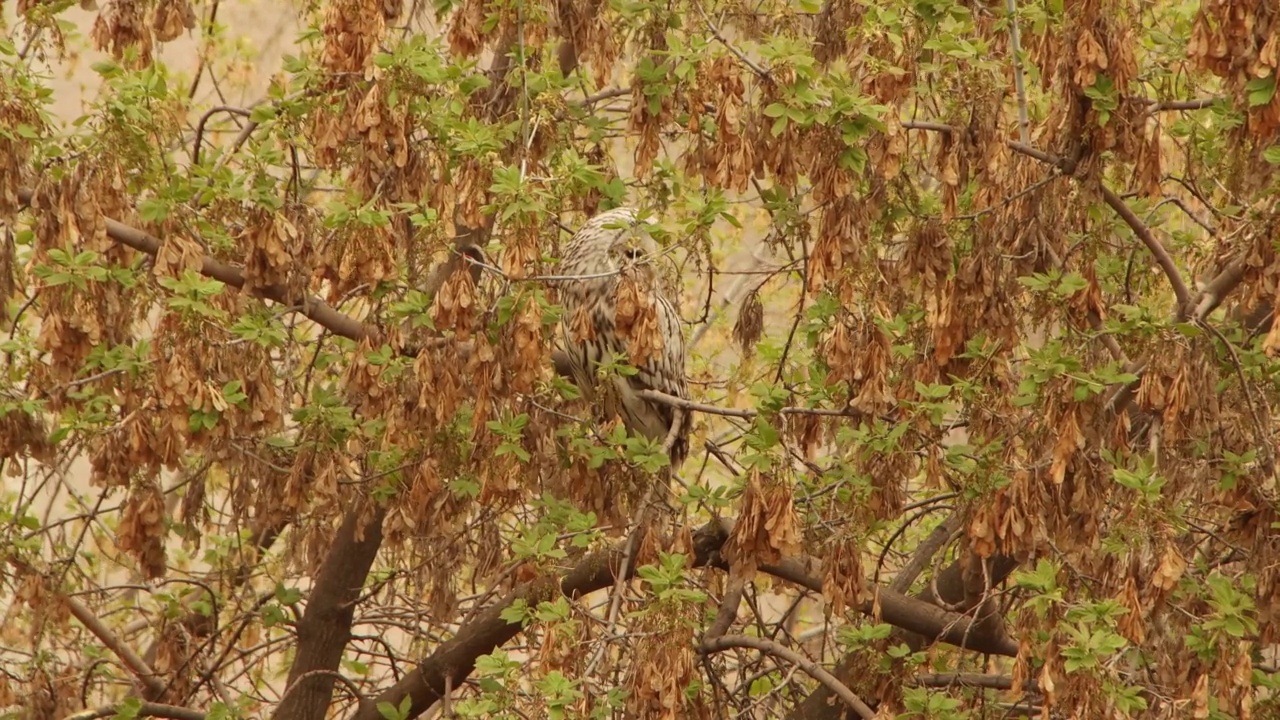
[[978, 296]]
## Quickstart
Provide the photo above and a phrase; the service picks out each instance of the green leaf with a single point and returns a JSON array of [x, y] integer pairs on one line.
[[288, 596], [517, 613], [775, 110], [153, 210], [106, 68], [262, 113], [128, 709], [1261, 90], [391, 712]]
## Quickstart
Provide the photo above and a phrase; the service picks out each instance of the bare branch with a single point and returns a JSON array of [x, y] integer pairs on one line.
[[1157, 249], [204, 119], [454, 659], [719, 36], [674, 401], [148, 677], [1019, 83], [815, 671], [963, 679], [1195, 104], [624, 572]]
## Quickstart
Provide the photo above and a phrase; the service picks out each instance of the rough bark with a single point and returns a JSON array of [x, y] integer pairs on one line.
[[325, 627], [454, 659]]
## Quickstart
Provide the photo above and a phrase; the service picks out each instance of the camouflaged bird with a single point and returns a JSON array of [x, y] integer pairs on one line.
[[617, 311]]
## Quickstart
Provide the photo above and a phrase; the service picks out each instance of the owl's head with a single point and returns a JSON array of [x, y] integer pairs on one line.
[[613, 240]]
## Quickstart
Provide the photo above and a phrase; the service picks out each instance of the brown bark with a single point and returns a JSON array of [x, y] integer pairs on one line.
[[325, 627], [454, 659]]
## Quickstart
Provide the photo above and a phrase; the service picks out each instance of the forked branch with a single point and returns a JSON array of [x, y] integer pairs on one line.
[[1163, 259], [813, 669], [454, 659]]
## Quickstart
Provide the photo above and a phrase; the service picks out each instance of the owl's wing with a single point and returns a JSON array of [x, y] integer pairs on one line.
[[664, 372]]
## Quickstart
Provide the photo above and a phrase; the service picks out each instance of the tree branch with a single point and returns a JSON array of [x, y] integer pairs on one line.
[[1180, 292], [963, 679], [311, 306], [815, 671], [454, 659], [1019, 83], [148, 677], [673, 401], [1157, 249], [728, 610], [325, 627]]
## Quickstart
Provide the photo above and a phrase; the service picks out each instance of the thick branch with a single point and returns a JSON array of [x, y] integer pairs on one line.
[[814, 670], [325, 628], [150, 681], [1157, 249], [454, 659]]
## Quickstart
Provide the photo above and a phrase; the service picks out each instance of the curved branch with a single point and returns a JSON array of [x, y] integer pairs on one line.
[[139, 667], [347, 683], [454, 659], [204, 120], [815, 671], [1157, 249]]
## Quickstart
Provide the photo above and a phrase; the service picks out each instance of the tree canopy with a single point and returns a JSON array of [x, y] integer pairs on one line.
[[978, 298]]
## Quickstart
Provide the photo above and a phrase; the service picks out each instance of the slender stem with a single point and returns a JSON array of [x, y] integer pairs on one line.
[[815, 671], [1019, 82]]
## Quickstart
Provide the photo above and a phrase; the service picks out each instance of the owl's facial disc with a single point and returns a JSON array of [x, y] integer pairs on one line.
[[634, 246]]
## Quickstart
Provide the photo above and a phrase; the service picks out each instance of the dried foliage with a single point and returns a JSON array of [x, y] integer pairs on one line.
[[979, 398]]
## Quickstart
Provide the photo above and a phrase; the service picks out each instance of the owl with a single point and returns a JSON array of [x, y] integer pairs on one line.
[[616, 310]]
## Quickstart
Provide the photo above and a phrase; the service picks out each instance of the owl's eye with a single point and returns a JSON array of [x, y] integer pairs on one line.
[[633, 253]]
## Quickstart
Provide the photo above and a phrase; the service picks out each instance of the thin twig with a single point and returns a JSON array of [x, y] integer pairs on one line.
[[1019, 83], [673, 401], [814, 670], [615, 606], [343, 679], [1196, 104], [1006, 201], [963, 679], [207, 30], [763, 73], [1260, 433]]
